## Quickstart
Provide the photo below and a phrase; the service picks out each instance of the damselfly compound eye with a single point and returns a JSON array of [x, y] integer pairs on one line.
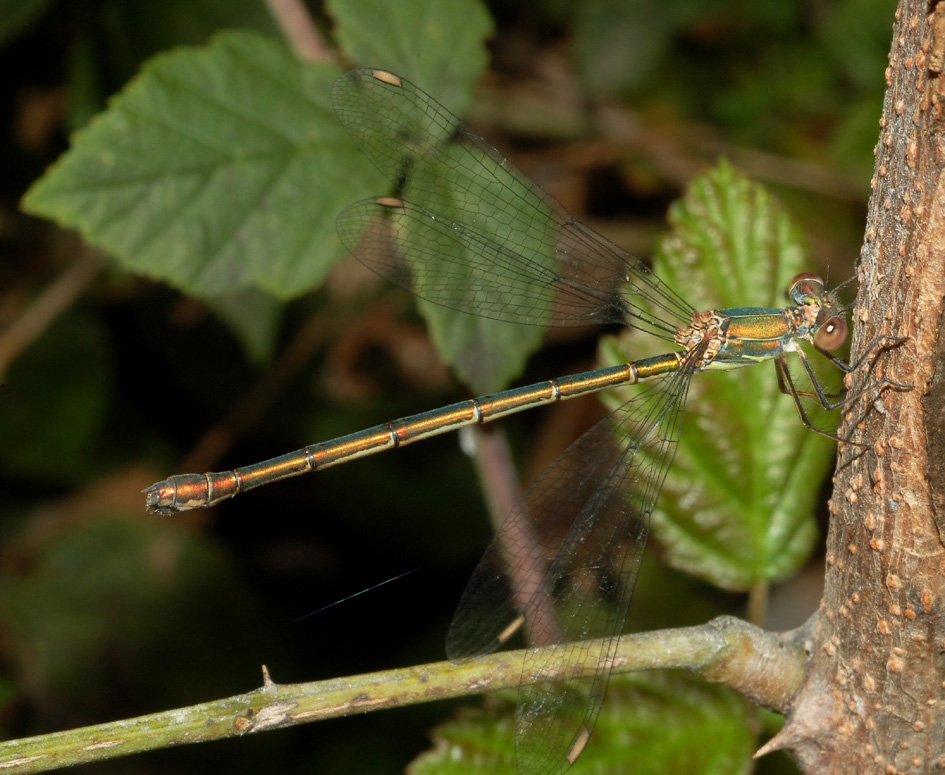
[[805, 286], [831, 334]]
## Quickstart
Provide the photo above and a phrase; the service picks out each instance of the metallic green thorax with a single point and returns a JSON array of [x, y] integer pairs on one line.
[[753, 334], [742, 336]]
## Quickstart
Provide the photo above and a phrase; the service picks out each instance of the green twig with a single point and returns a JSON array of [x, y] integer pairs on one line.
[[765, 667]]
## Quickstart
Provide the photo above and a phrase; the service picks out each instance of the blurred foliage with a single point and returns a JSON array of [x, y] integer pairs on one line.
[[106, 612], [670, 721], [786, 76]]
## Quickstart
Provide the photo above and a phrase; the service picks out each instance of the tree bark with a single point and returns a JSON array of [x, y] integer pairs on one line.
[[873, 700]]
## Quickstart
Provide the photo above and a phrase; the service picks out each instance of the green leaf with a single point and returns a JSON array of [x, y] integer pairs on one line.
[[656, 722], [254, 319], [484, 353], [437, 44], [222, 169], [216, 169], [465, 209], [737, 505]]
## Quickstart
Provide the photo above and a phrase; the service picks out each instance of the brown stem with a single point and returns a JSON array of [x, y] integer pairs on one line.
[[496, 470], [58, 297], [300, 31]]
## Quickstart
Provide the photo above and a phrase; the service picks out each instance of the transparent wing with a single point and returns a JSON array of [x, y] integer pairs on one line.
[[464, 224], [572, 549]]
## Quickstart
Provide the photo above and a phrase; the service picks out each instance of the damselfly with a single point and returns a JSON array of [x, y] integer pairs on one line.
[[465, 229]]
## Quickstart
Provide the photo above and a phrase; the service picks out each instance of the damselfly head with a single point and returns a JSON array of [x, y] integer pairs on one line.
[[829, 329]]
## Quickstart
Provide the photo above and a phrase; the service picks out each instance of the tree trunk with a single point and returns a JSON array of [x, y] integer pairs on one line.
[[873, 700]]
